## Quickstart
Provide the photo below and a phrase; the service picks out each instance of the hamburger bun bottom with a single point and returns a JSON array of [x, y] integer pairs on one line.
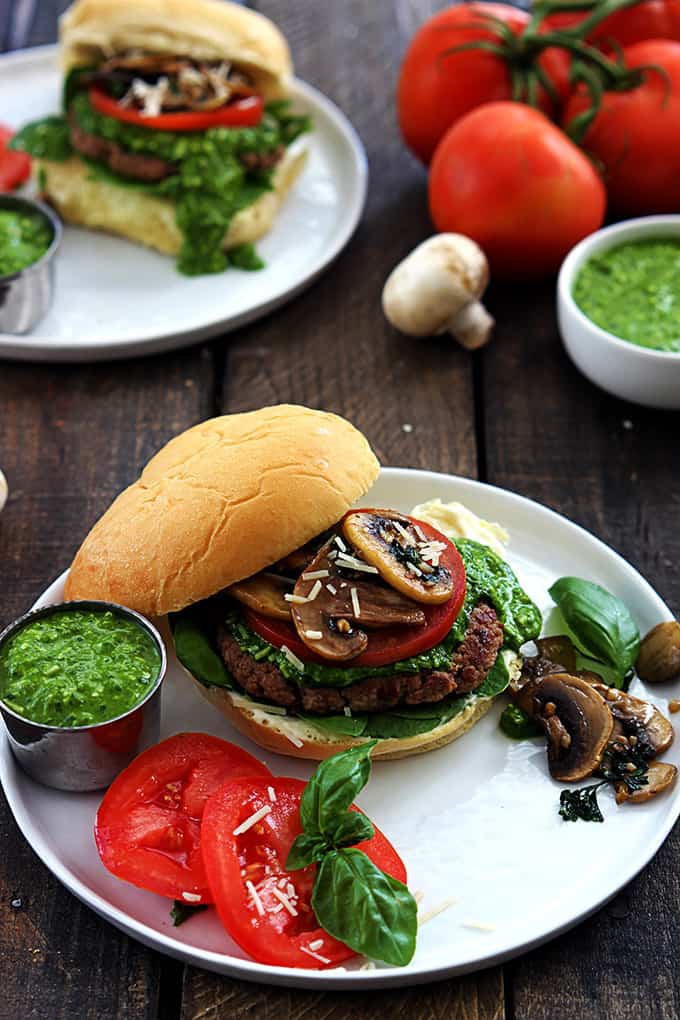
[[282, 734], [86, 201]]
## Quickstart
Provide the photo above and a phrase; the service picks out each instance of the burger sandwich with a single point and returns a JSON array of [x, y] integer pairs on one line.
[[176, 131], [310, 623]]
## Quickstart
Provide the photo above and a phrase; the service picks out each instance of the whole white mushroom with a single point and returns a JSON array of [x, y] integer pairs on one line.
[[4, 491], [436, 289]]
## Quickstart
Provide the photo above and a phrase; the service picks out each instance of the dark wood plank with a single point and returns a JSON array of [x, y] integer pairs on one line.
[[331, 348], [72, 438], [475, 997], [613, 468]]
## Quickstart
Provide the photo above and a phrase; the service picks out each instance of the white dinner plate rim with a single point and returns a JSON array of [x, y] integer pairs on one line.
[[250, 970], [58, 349]]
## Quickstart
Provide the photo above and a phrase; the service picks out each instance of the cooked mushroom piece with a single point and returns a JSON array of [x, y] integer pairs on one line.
[[576, 719], [264, 592], [558, 648], [660, 775], [330, 611], [637, 719], [659, 658], [389, 542]]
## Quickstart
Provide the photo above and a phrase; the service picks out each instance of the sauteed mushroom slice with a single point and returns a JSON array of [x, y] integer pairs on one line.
[[637, 719], [334, 638], [660, 775], [576, 719], [558, 648], [659, 657], [264, 592], [330, 613], [388, 541]]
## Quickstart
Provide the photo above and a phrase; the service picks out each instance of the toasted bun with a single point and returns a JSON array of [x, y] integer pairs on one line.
[[283, 734], [220, 502], [92, 30], [86, 201]]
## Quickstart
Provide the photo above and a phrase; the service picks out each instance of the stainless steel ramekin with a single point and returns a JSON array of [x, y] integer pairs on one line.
[[25, 296], [83, 758]]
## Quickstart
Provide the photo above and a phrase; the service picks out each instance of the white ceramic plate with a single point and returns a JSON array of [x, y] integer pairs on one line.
[[476, 821], [115, 299]]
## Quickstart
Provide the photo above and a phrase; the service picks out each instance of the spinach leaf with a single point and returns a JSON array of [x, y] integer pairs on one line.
[[333, 787], [600, 622], [371, 912], [196, 653], [581, 804], [44, 139], [182, 911], [346, 725]]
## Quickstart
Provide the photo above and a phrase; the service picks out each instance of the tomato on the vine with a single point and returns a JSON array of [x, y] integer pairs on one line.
[[634, 135], [438, 86], [512, 181], [651, 19]]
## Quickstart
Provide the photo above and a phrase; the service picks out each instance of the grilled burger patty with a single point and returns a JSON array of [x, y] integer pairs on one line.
[[471, 662]]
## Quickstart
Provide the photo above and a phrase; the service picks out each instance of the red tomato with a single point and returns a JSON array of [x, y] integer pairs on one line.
[[635, 135], [15, 167], [147, 828], [258, 856], [241, 113], [393, 643], [436, 87], [652, 19], [511, 180]]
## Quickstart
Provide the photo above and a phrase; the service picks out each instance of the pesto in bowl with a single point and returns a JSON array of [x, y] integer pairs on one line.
[[632, 290]]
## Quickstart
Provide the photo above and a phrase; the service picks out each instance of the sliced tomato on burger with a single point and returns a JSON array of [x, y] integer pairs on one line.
[[15, 167], [245, 838], [391, 644], [240, 113], [147, 828]]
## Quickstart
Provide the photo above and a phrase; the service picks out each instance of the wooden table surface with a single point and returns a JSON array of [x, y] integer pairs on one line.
[[517, 415]]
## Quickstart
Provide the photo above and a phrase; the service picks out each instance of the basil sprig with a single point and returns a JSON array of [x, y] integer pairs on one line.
[[354, 901], [600, 622]]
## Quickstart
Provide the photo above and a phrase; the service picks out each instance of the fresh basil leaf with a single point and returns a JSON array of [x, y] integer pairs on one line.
[[196, 653], [350, 829], [600, 622], [333, 787], [305, 850], [371, 912], [182, 911]]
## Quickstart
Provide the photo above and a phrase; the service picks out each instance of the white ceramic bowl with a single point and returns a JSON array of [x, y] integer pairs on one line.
[[639, 374]]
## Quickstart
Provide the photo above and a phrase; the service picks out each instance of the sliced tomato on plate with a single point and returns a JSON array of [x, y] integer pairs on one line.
[[147, 828], [393, 643], [15, 167], [265, 908], [240, 113]]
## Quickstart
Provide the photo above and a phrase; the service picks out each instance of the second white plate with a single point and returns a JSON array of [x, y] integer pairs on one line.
[[476, 822], [115, 299]]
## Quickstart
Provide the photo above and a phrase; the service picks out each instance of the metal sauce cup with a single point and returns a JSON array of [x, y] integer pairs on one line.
[[25, 296], [83, 758]]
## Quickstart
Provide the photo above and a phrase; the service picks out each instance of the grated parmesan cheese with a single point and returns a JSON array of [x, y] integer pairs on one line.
[[404, 533], [293, 659], [286, 902], [435, 911], [316, 588], [299, 600], [191, 897], [316, 944], [313, 635], [315, 574], [255, 898], [354, 595], [347, 710], [272, 794], [479, 925], [310, 952], [340, 544], [253, 820], [414, 569], [331, 589]]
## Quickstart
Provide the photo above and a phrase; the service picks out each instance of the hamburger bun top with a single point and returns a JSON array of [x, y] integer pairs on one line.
[[92, 30], [220, 502]]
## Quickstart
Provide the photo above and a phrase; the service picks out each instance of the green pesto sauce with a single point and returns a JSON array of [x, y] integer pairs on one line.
[[77, 667], [633, 291], [24, 238]]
